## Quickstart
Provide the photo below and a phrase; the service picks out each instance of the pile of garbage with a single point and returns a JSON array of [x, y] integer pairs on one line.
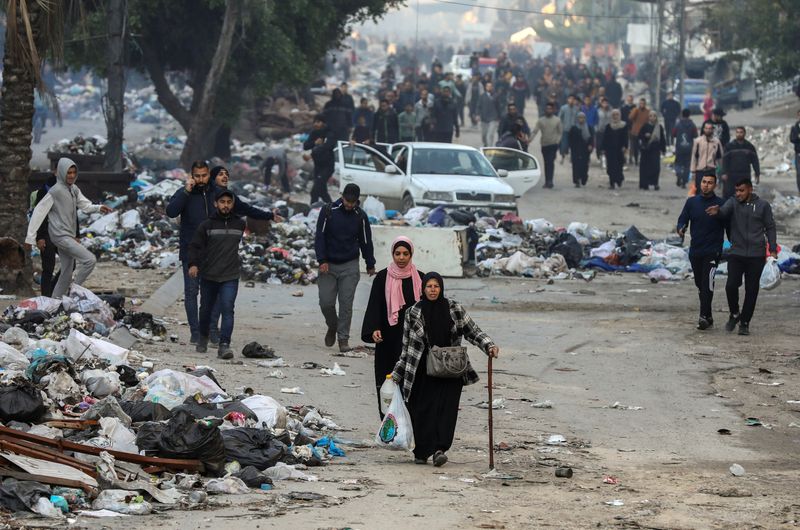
[[80, 145], [775, 153], [90, 427]]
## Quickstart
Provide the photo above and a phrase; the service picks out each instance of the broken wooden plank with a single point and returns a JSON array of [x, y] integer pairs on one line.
[[76, 425], [38, 466], [33, 450], [44, 479], [64, 445]]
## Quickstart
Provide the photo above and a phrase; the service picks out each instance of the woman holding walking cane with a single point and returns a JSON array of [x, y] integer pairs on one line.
[[434, 367]]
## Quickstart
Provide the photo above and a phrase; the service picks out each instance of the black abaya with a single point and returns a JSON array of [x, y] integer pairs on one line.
[[650, 162], [388, 351], [615, 141], [580, 153], [433, 406]]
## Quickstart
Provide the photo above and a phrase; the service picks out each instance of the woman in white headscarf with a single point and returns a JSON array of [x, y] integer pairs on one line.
[[615, 148], [581, 144], [652, 144]]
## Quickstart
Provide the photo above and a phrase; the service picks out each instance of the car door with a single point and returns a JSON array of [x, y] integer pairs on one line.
[[365, 166], [523, 168]]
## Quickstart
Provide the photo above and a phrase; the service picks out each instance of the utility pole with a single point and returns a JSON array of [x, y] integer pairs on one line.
[[114, 100], [682, 48], [659, 49], [591, 28]]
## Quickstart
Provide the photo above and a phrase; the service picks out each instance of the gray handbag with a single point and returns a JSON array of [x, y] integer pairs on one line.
[[447, 361]]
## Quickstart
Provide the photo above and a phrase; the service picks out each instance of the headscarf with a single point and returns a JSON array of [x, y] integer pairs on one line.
[[394, 281], [584, 128], [616, 120], [655, 136], [438, 321]]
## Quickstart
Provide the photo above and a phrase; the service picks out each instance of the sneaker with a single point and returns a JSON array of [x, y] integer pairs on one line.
[[439, 459], [194, 338], [213, 338], [744, 328], [330, 337], [703, 324], [731, 324], [202, 345], [344, 346], [224, 351]]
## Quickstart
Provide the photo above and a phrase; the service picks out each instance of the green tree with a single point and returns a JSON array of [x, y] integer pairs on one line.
[[228, 51], [771, 28]]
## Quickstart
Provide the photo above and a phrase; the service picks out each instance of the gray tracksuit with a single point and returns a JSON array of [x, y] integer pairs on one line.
[[60, 206]]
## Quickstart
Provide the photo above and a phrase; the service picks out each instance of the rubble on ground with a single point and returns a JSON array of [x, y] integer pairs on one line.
[[90, 425]]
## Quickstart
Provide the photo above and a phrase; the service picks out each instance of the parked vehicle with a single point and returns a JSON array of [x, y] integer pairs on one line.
[[693, 94], [412, 174]]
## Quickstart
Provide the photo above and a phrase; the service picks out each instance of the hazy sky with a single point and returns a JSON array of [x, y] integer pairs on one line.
[[436, 19]]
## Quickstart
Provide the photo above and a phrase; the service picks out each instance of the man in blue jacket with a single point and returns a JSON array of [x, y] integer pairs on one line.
[[342, 232], [706, 246], [193, 203]]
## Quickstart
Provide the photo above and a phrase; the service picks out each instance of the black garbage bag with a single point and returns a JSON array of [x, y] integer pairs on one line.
[[253, 447], [127, 375], [21, 402], [204, 372], [566, 245], [184, 437], [140, 411], [214, 410], [148, 437], [632, 243], [252, 477], [21, 495], [462, 217], [255, 350], [31, 318]]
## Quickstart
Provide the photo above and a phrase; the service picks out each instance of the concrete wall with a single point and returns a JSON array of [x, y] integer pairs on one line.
[[443, 250]]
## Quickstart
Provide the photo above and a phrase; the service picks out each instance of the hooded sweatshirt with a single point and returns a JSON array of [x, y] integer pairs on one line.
[[59, 206]]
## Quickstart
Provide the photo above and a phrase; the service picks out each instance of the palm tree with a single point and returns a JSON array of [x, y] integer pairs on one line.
[[33, 28]]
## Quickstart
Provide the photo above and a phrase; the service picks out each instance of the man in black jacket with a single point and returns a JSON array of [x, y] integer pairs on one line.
[[721, 130], [385, 127], [321, 142], [752, 228], [739, 156], [343, 232], [794, 137], [445, 117], [214, 258], [670, 109]]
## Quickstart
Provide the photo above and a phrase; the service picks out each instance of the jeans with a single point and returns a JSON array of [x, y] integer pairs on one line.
[[704, 268], [339, 282], [797, 169], [549, 153], [682, 172], [225, 293], [488, 133], [750, 268], [191, 288]]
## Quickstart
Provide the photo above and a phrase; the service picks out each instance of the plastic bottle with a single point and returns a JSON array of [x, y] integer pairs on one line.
[[387, 393]]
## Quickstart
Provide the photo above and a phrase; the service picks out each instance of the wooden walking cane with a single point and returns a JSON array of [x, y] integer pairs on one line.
[[491, 430]]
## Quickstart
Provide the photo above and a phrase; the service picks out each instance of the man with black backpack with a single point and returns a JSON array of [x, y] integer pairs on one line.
[[684, 133], [343, 231]]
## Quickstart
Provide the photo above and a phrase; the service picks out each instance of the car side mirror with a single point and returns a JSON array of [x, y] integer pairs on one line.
[[502, 172], [391, 170]]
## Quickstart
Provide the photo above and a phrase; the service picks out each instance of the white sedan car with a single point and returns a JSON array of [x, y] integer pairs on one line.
[[412, 174]]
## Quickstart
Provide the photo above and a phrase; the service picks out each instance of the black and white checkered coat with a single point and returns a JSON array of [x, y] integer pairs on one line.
[[415, 344]]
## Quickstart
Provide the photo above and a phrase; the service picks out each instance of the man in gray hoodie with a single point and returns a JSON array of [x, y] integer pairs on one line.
[[752, 228], [60, 206]]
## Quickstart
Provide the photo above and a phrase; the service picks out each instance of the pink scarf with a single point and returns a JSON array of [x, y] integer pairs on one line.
[[394, 283]]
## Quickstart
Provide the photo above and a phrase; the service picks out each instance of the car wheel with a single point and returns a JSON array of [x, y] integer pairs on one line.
[[408, 203]]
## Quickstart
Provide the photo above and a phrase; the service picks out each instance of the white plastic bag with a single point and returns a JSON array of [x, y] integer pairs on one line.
[[771, 275], [11, 359], [396, 431], [80, 345], [268, 411], [171, 388], [374, 208]]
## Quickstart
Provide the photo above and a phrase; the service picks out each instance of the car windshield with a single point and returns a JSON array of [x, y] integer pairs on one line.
[[451, 162], [695, 88]]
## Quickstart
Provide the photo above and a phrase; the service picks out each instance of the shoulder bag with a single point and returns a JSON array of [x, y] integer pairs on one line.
[[446, 361]]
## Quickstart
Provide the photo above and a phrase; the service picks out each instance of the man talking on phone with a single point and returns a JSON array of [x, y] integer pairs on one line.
[[193, 203]]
